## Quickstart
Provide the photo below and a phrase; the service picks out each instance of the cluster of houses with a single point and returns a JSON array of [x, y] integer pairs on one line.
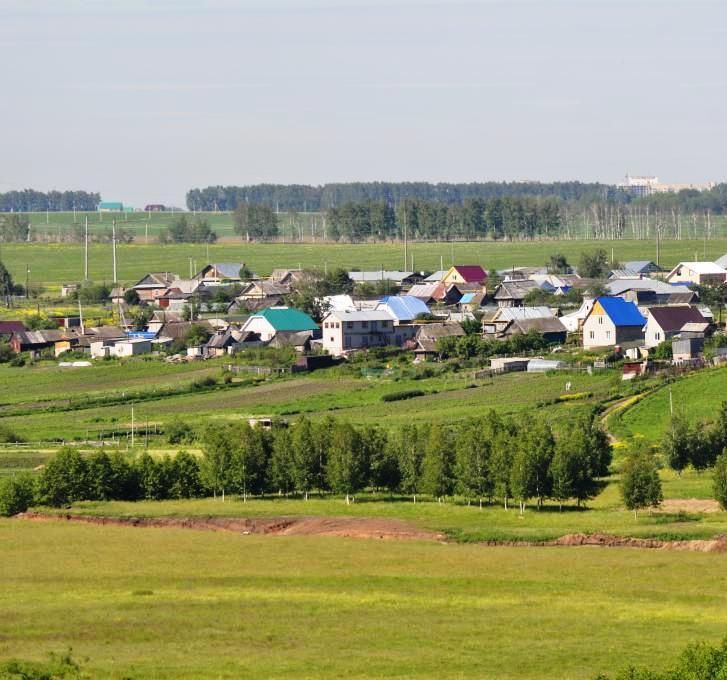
[[640, 306]]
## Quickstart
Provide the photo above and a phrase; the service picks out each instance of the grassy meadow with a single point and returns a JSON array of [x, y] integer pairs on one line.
[[698, 395], [52, 264], [45, 402], [174, 603]]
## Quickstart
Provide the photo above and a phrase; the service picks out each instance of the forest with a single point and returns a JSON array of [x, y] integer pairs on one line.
[[29, 200]]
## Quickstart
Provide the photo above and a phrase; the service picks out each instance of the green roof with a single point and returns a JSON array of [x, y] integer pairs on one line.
[[288, 319]]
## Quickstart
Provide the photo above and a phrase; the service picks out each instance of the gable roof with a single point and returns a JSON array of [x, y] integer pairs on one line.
[[673, 318], [438, 276], [618, 286], [540, 325], [621, 312], [639, 266], [522, 313], [514, 290], [156, 280], [10, 327], [381, 275], [228, 270], [699, 268], [470, 273], [403, 307], [287, 319]]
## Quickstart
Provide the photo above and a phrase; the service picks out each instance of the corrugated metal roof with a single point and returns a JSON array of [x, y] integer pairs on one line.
[[403, 307], [288, 319], [673, 318], [381, 275], [471, 273], [520, 313], [621, 312]]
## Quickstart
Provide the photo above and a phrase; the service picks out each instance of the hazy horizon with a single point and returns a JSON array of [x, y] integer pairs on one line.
[[143, 101]]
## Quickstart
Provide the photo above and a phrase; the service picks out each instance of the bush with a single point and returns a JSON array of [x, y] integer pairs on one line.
[[404, 394], [16, 494], [6, 353], [7, 436], [202, 383], [179, 432]]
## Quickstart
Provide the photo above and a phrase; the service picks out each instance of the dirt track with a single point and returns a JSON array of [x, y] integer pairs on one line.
[[366, 527]]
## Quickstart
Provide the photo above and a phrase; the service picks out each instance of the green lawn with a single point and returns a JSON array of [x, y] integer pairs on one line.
[[699, 396], [53, 264], [151, 603]]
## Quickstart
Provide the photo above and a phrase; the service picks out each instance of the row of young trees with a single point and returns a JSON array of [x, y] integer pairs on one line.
[[497, 218], [481, 459], [299, 197], [29, 200]]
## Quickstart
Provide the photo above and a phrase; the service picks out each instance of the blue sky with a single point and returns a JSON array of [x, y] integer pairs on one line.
[[144, 100]]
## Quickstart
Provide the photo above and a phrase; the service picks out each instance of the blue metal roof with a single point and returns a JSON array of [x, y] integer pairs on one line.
[[466, 298], [404, 307], [622, 312]]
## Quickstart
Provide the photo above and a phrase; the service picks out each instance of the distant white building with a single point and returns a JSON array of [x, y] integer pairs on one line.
[[698, 273]]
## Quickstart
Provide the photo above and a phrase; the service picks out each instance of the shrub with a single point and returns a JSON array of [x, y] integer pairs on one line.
[[7, 436], [202, 383], [179, 432], [404, 394], [16, 494]]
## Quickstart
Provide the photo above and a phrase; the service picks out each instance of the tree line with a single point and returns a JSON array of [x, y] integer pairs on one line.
[[483, 459], [306, 198], [29, 200]]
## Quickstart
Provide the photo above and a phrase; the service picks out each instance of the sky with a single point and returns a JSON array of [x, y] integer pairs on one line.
[[143, 100]]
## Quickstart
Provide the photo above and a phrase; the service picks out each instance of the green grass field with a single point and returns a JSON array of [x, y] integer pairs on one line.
[[172, 603], [699, 396], [53, 264], [39, 402]]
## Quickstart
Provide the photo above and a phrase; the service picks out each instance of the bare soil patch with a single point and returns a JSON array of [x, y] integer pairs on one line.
[[689, 505], [367, 527], [345, 527]]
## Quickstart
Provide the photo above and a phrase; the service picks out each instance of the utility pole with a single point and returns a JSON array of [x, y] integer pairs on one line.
[[85, 253], [113, 246], [132, 428], [405, 253]]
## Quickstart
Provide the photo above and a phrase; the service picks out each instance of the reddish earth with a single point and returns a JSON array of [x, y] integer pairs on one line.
[[365, 527], [348, 527]]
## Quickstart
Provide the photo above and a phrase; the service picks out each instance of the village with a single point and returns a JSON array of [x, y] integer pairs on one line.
[[633, 312]]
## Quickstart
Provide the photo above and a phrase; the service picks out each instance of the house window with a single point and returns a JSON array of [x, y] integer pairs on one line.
[[349, 324], [338, 325], [600, 320], [657, 336], [608, 335], [333, 339], [592, 335]]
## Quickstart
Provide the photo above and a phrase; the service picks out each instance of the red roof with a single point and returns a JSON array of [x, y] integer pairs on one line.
[[471, 273], [9, 327]]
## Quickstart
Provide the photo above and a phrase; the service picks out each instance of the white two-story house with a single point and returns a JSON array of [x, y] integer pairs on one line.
[[343, 331]]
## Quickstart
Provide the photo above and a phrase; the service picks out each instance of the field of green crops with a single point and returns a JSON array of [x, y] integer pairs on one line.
[[175, 603], [53, 264]]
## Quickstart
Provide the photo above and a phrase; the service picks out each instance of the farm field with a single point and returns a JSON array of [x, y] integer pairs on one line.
[[699, 396], [39, 405], [53, 264], [173, 603]]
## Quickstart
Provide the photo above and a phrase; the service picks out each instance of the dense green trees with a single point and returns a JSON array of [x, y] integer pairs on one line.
[[480, 458], [7, 287], [697, 444], [187, 230], [29, 200], [256, 222], [594, 265]]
